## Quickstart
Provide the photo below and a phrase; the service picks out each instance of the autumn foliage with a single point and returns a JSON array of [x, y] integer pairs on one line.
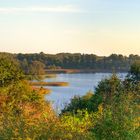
[[111, 113]]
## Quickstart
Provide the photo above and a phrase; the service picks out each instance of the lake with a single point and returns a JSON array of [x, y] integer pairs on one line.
[[79, 85]]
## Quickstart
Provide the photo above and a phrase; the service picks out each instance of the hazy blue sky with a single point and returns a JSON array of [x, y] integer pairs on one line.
[[88, 26]]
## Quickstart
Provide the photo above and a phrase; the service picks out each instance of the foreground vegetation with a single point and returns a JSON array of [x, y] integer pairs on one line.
[[111, 113]]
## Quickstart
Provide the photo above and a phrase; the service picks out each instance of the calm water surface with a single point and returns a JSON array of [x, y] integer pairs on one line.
[[79, 84]]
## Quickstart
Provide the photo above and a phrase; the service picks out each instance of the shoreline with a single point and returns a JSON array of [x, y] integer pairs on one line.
[[70, 71]]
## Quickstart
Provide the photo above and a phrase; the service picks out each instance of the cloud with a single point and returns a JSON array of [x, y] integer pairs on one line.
[[43, 9]]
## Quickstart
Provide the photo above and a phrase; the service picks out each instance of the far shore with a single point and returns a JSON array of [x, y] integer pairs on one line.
[[58, 71]]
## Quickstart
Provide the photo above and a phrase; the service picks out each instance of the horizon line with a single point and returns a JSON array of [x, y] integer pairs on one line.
[[70, 53]]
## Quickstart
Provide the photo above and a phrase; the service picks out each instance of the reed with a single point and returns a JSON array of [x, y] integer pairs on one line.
[[49, 83]]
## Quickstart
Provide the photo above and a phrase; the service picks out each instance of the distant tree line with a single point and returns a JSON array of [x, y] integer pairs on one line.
[[76, 61], [80, 61]]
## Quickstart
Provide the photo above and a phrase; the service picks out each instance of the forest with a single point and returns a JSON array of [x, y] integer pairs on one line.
[[118, 63], [81, 61], [111, 113]]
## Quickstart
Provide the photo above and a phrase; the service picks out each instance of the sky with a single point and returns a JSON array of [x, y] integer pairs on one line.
[[100, 27]]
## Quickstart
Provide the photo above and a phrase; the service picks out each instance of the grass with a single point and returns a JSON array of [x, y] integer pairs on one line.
[[59, 84], [50, 76], [88, 70]]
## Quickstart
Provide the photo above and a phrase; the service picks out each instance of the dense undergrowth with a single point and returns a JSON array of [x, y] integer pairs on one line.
[[111, 113]]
